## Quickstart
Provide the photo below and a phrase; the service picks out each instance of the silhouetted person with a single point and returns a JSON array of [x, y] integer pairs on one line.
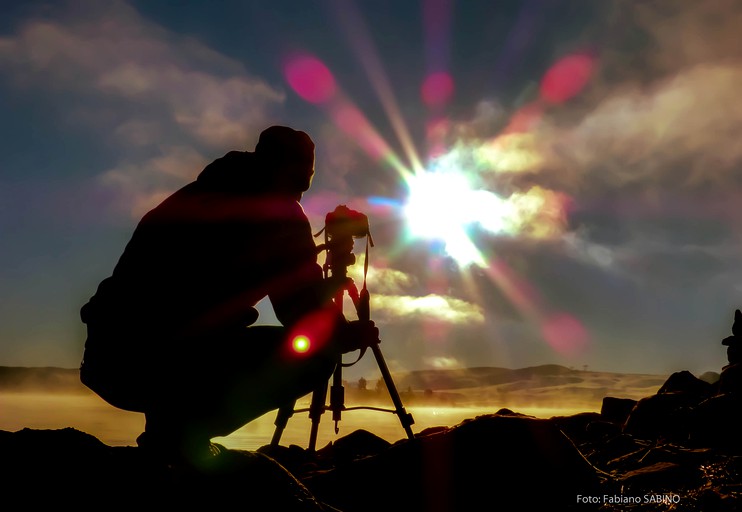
[[168, 331]]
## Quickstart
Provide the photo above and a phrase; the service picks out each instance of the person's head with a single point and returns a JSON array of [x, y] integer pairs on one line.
[[288, 155]]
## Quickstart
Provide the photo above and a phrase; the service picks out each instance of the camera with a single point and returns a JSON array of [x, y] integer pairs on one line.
[[343, 222], [342, 226]]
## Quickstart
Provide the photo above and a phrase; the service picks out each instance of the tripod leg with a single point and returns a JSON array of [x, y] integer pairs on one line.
[[404, 417], [282, 419], [337, 396], [316, 410]]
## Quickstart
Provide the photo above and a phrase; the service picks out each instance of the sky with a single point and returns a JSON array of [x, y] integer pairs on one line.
[[547, 181]]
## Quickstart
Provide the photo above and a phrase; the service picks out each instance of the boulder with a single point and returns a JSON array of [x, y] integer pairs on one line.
[[730, 380], [687, 383], [616, 410], [492, 461], [661, 416], [717, 422]]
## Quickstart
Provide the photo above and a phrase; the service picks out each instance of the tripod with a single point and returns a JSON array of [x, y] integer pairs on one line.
[[341, 227]]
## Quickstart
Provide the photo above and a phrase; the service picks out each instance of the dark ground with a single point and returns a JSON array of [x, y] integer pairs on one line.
[[495, 462]]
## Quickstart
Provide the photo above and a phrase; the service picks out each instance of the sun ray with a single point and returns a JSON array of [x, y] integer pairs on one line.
[[564, 333], [360, 40], [437, 89], [312, 80]]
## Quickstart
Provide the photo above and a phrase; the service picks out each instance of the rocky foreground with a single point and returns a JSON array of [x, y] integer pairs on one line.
[[664, 452]]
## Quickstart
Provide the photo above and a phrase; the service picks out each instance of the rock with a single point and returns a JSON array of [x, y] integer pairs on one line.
[[493, 461], [577, 426], [737, 323], [730, 380], [687, 383], [357, 444], [616, 410], [734, 342], [509, 462], [53, 467], [717, 422], [662, 416]]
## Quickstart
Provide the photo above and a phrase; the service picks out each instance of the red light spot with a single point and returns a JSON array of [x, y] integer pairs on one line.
[[311, 333], [566, 78], [565, 334], [310, 78], [437, 89], [301, 344]]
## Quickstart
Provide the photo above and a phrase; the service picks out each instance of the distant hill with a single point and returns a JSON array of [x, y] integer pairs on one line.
[[547, 385], [462, 378]]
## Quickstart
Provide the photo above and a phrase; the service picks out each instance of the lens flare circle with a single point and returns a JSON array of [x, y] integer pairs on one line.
[[565, 334], [301, 344], [437, 89], [566, 78], [310, 78]]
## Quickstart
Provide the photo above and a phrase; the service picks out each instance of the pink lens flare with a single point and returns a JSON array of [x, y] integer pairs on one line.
[[565, 334], [310, 79], [566, 78], [437, 89]]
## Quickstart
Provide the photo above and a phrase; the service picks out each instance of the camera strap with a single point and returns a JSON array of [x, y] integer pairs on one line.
[[365, 264], [369, 242], [364, 298]]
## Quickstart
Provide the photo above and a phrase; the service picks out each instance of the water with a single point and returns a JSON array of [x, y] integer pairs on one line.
[[114, 427]]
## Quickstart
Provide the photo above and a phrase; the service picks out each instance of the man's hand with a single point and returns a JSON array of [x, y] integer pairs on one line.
[[357, 335]]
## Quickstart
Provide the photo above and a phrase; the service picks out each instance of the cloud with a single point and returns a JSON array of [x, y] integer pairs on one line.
[[686, 33], [443, 363], [652, 158], [336, 158], [680, 132], [144, 89], [650, 153], [675, 126], [142, 185], [394, 297], [662, 110], [385, 280], [429, 307]]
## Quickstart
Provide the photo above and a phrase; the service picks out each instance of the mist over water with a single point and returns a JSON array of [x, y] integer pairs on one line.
[[115, 427], [86, 413]]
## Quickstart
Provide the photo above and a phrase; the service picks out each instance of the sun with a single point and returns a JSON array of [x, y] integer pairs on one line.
[[445, 206]]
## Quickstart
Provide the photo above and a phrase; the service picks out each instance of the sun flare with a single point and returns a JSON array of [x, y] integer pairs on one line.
[[444, 206]]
